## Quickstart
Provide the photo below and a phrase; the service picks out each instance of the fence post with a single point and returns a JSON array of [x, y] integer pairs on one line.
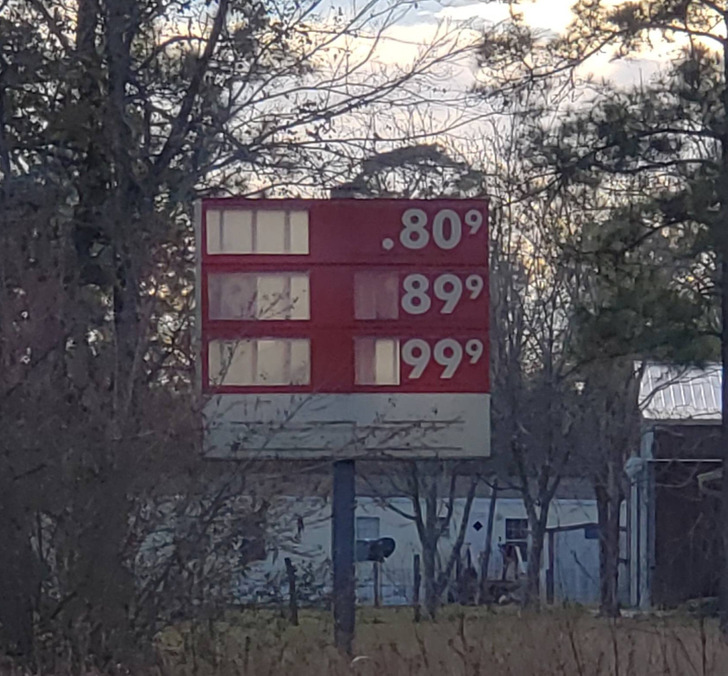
[[416, 594], [292, 594], [377, 597], [550, 578]]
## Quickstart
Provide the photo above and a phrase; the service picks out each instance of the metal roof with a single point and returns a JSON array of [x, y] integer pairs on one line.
[[680, 393]]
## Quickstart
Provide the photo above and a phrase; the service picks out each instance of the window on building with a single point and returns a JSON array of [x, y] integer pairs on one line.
[[367, 527], [256, 231], [377, 361], [376, 295], [517, 534], [444, 524], [260, 361], [260, 296]]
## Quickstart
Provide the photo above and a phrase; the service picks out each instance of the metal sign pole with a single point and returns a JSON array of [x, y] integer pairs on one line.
[[343, 553]]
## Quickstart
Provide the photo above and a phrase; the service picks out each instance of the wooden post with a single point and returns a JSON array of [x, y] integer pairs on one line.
[[292, 594], [416, 591], [550, 571], [377, 598], [246, 658]]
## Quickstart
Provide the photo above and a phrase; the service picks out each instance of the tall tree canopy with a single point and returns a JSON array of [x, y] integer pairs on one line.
[[645, 169]]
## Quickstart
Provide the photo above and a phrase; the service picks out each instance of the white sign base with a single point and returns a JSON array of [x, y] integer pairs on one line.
[[346, 426]]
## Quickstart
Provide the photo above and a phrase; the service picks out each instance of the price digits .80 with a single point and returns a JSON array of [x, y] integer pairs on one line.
[[415, 235]]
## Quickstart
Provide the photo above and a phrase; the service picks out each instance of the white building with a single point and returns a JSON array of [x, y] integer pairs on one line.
[[575, 556]]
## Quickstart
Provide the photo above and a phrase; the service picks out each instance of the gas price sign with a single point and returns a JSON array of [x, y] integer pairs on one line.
[[348, 302]]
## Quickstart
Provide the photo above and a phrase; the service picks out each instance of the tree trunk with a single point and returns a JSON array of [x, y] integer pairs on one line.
[[18, 586], [608, 511], [485, 563], [101, 582], [432, 597], [535, 555], [454, 558]]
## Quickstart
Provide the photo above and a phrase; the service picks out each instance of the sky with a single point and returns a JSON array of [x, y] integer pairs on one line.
[[551, 16]]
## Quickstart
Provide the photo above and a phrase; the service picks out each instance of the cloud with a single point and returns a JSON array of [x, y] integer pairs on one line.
[[548, 15], [624, 72], [479, 12], [402, 44]]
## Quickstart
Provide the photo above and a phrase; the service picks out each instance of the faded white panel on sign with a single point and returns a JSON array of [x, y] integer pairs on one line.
[[376, 361], [376, 295], [258, 296], [229, 231], [231, 362], [257, 231], [299, 232], [260, 361], [271, 232], [362, 425]]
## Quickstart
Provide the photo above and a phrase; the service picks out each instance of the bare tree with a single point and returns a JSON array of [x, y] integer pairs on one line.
[[434, 489], [533, 378], [114, 115]]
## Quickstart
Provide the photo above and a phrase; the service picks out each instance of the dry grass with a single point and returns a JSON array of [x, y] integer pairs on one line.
[[464, 641]]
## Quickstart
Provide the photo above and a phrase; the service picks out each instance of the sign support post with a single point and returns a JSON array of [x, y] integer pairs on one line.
[[342, 545]]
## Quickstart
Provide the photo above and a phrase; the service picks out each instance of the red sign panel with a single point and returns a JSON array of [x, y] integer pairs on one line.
[[345, 296]]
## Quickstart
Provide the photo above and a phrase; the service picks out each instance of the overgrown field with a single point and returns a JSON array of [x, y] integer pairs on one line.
[[465, 641]]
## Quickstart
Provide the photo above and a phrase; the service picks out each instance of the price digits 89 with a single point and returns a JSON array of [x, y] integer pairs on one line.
[[447, 288]]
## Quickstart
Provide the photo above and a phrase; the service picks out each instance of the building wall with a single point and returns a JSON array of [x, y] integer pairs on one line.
[[688, 547], [577, 558], [675, 548]]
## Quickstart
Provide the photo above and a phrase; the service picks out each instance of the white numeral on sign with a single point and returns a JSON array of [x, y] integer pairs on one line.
[[447, 288], [414, 235], [444, 239], [416, 353], [447, 228], [474, 284], [415, 300], [450, 289], [448, 353], [474, 350], [474, 219]]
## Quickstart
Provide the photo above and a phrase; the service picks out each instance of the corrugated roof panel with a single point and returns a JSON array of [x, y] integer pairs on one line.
[[681, 398], [681, 393]]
